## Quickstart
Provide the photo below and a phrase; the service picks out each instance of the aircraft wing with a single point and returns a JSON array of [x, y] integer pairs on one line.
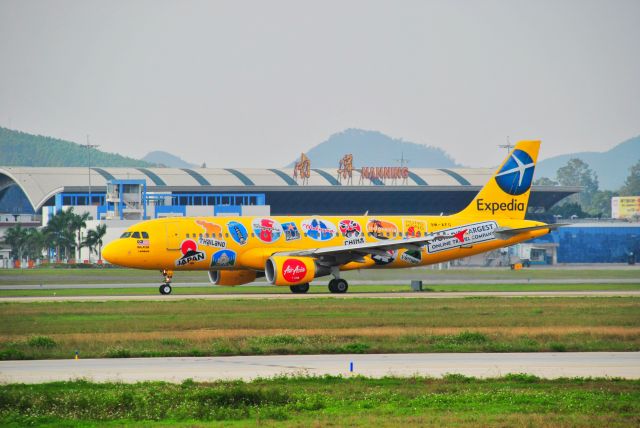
[[345, 253]]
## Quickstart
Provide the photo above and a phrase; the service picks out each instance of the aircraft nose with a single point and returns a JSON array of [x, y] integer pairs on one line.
[[110, 253]]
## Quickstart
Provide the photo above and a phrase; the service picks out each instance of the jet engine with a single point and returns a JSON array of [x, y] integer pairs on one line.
[[232, 277], [283, 270]]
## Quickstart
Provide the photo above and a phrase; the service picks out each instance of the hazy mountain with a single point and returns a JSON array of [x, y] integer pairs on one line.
[[611, 166], [166, 159], [22, 149], [372, 148]]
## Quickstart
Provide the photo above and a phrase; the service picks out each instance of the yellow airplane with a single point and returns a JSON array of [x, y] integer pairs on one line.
[[292, 251]]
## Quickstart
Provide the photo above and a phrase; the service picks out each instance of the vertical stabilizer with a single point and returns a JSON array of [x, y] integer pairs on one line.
[[506, 195]]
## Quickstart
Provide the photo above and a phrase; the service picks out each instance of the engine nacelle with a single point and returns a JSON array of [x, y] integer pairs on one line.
[[232, 277], [283, 270]]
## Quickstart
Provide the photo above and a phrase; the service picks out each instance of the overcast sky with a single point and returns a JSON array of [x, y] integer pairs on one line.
[[254, 83]]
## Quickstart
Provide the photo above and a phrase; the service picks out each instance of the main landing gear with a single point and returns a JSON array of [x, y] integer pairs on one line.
[[337, 284], [165, 288]]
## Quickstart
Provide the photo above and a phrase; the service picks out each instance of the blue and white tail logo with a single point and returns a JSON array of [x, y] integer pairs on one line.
[[516, 174]]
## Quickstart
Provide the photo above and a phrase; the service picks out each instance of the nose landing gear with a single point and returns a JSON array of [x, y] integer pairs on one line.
[[165, 288]]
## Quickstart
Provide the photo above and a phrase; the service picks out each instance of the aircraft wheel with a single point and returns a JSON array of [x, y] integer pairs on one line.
[[165, 289], [338, 286], [300, 288]]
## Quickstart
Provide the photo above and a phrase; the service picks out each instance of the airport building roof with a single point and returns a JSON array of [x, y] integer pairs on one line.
[[41, 184]]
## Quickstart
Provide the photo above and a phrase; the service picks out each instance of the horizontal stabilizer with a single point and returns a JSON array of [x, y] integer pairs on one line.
[[508, 232]]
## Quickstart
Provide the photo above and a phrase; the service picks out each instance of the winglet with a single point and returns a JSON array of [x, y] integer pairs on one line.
[[506, 195]]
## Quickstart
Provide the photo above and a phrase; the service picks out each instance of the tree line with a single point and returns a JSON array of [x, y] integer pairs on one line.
[[22, 149], [591, 202], [61, 235]]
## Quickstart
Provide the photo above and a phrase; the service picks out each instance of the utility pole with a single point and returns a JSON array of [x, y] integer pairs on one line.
[[89, 147], [507, 146]]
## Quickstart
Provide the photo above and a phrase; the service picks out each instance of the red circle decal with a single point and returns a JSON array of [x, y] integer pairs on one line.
[[293, 270], [187, 246]]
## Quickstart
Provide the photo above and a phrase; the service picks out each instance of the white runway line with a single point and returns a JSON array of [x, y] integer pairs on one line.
[[482, 365], [327, 295]]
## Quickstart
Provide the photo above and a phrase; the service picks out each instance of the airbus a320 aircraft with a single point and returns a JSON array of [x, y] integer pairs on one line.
[[292, 251]]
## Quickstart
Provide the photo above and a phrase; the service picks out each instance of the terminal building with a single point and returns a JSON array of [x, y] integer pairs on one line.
[[137, 193], [121, 196]]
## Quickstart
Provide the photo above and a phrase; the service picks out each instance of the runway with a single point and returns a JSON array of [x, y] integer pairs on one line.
[[484, 365], [326, 295], [322, 282]]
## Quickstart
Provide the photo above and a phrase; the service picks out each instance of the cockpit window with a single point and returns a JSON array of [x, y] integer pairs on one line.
[[125, 235], [145, 235], [136, 235]]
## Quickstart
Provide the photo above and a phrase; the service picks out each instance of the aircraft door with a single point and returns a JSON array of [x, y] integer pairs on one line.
[[174, 236]]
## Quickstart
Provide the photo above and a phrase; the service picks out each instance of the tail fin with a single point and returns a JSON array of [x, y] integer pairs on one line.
[[506, 195]]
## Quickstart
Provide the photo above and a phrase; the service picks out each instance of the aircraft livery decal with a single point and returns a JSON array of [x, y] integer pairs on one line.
[[474, 233], [293, 270], [414, 228], [214, 235], [381, 229], [412, 256], [319, 229], [516, 174], [351, 231], [190, 253], [238, 232], [291, 232], [266, 229], [223, 258], [389, 257]]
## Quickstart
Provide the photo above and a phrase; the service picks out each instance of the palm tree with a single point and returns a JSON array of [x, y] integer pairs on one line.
[[94, 238], [16, 238], [61, 234], [77, 223], [101, 230], [35, 242]]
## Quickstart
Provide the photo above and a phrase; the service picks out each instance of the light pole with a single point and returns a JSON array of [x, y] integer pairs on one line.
[[89, 147]]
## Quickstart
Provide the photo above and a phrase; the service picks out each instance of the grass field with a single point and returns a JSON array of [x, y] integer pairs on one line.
[[254, 327], [124, 276], [315, 289], [515, 400]]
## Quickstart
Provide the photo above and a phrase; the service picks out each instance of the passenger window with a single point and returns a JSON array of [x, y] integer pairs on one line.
[[226, 235], [125, 235], [220, 235], [136, 235], [187, 235], [200, 235], [253, 235], [206, 235], [145, 235]]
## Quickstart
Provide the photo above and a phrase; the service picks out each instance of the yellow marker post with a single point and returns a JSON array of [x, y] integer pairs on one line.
[[77, 357]]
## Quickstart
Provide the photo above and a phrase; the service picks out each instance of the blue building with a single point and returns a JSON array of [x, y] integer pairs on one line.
[[599, 242]]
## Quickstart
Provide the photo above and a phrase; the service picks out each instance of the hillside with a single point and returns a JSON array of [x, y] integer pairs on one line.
[[611, 166], [372, 148], [166, 159], [22, 149]]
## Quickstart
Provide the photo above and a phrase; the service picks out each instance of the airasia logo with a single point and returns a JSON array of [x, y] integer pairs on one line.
[[293, 270]]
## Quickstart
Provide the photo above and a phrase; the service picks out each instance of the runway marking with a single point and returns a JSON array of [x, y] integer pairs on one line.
[[350, 295], [322, 282], [483, 365]]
